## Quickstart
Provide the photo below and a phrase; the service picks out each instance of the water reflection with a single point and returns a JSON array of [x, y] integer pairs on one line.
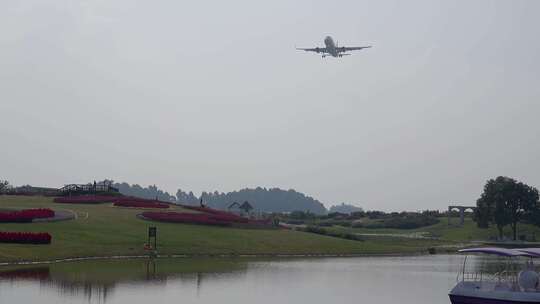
[[95, 281], [412, 280]]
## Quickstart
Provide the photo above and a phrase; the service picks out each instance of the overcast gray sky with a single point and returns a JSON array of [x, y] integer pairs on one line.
[[211, 95]]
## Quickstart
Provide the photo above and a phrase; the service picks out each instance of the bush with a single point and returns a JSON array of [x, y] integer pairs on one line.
[[330, 223], [342, 223], [375, 225], [315, 229], [410, 222], [345, 235], [25, 216], [357, 225], [25, 238], [325, 224], [294, 222]]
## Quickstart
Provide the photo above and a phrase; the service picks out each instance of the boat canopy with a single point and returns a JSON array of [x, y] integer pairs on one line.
[[532, 252], [503, 251]]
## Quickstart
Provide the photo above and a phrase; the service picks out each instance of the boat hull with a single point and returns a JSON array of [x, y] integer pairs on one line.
[[456, 299]]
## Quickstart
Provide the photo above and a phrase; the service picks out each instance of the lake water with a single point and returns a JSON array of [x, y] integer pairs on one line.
[[374, 280]]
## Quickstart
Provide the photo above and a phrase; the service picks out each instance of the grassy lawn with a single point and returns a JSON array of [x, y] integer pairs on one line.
[[469, 231], [104, 230]]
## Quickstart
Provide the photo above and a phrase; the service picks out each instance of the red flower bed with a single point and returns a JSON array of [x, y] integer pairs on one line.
[[25, 216], [194, 218], [38, 273], [85, 199], [222, 214], [25, 238], [141, 204]]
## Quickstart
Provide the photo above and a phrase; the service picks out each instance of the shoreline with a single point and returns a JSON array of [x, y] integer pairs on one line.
[[188, 256]]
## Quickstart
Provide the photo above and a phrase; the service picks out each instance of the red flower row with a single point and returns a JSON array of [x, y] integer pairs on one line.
[[85, 199], [223, 214], [25, 237], [25, 216], [122, 201], [141, 204], [194, 218]]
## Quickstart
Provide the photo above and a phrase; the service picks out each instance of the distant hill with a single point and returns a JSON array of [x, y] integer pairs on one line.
[[150, 192], [345, 208], [262, 199]]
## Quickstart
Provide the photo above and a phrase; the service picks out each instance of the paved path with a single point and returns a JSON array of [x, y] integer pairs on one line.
[[59, 215]]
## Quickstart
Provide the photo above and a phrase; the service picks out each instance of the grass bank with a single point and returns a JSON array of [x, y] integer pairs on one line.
[[103, 230], [469, 232]]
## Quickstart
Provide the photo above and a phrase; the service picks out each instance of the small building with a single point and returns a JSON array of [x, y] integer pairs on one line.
[[243, 209]]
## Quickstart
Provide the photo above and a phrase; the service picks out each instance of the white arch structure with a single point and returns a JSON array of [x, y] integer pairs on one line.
[[462, 210]]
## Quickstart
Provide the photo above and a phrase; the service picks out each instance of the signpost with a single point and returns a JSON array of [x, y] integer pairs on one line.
[[152, 233]]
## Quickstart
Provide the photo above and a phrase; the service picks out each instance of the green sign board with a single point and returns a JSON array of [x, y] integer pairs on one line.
[[152, 232]]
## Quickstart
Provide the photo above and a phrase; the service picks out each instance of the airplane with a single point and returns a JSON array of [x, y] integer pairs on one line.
[[332, 49]]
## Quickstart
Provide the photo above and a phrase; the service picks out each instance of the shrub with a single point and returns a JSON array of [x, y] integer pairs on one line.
[[410, 222], [345, 235], [25, 216], [325, 224], [315, 229], [341, 223], [357, 225], [25, 238], [375, 225], [294, 222]]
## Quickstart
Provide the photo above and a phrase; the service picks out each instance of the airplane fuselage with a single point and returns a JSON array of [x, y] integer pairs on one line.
[[330, 46]]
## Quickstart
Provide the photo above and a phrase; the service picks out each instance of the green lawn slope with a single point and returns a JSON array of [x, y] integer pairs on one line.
[[454, 233], [103, 230]]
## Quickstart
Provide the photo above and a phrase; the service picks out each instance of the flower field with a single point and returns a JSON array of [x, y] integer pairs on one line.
[[140, 204], [191, 218], [206, 216], [119, 201], [86, 199], [25, 216], [219, 214], [25, 237]]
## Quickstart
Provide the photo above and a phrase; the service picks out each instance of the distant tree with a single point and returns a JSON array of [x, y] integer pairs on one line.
[[186, 198], [4, 186], [375, 214], [261, 199], [301, 215], [506, 201], [150, 192]]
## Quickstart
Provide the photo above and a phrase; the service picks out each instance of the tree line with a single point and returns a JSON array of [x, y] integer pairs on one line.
[[262, 199]]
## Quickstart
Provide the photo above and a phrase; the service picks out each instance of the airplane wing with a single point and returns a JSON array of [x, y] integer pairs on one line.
[[316, 50], [351, 48]]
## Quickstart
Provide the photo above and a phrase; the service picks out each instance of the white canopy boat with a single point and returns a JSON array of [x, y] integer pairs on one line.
[[508, 286]]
